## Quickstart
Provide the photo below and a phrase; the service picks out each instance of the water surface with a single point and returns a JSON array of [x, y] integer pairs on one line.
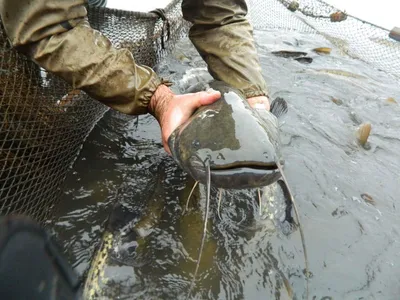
[[353, 246]]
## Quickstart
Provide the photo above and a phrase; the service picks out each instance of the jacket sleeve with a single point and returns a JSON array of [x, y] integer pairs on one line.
[[57, 36], [224, 38]]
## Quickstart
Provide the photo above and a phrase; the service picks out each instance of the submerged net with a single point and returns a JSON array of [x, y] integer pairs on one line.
[[44, 122], [357, 38]]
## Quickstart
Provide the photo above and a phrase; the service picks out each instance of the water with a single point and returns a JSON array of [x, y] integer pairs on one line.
[[353, 247]]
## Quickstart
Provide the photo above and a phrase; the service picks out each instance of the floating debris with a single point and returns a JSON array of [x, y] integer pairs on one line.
[[391, 100], [288, 54], [363, 133], [368, 198], [304, 60], [340, 73], [293, 6], [323, 50], [308, 274], [338, 16], [337, 101], [395, 34]]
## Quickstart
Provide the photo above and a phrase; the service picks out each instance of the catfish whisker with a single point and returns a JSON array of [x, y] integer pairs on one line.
[[289, 192], [219, 203], [190, 195], [208, 187]]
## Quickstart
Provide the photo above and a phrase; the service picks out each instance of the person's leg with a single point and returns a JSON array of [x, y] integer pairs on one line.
[[223, 36], [31, 264]]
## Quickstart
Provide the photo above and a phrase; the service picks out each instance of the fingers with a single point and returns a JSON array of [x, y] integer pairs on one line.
[[205, 98], [181, 108]]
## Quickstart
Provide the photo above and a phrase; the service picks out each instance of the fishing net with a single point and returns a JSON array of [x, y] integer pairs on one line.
[[357, 38], [44, 122]]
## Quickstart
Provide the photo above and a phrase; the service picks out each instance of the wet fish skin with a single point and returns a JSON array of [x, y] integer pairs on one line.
[[289, 54], [242, 143], [125, 236], [304, 60]]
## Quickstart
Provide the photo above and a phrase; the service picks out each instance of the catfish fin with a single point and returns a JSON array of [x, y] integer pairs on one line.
[[279, 107]]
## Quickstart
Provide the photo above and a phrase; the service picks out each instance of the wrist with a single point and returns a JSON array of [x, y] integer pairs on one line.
[[159, 102]]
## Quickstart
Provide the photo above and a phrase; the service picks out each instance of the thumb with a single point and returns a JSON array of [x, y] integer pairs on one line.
[[205, 98]]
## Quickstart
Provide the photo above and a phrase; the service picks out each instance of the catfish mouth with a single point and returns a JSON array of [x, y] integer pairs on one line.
[[240, 175], [244, 165]]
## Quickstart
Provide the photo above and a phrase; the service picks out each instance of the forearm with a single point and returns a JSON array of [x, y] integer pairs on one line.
[[224, 38], [57, 36]]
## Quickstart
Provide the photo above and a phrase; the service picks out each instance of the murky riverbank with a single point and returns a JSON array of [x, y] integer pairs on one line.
[[352, 245]]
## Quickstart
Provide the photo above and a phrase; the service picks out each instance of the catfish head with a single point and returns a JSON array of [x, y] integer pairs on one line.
[[241, 144]]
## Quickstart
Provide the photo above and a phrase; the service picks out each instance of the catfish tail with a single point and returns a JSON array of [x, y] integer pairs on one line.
[[279, 107]]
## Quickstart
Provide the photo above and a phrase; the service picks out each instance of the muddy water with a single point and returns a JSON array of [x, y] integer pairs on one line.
[[353, 246]]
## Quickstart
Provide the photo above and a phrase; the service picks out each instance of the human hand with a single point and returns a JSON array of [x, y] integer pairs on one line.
[[172, 110]]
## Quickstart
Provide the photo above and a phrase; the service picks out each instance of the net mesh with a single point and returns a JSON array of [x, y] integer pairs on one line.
[[357, 38], [44, 122]]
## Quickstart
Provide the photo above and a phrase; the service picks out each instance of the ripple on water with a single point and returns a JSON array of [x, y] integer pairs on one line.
[[352, 245]]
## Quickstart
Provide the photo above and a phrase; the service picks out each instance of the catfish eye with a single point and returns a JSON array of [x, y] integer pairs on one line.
[[220, 156]]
